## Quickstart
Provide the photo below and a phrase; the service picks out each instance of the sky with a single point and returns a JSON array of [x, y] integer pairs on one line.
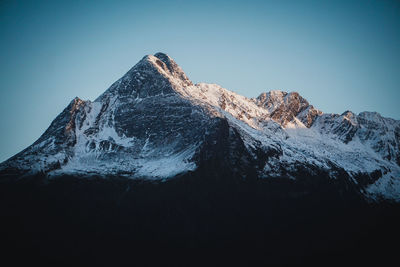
[[339, 55]]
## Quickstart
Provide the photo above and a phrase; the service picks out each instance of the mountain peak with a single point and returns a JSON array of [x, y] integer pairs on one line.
[[169, 68], [284, 107], [152, 75], [154, 123], [166, 59]]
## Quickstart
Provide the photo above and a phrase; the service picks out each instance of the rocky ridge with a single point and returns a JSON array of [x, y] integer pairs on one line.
[[154, 123]]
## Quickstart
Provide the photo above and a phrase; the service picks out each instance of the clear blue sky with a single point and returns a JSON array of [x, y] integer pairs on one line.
[[340, 55]]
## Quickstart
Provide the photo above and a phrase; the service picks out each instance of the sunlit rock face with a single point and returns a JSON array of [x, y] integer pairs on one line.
[[154, 123], [286, 107]]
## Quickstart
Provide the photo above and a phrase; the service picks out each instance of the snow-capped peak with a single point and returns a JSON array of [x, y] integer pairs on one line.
[[155, 123], [151, 76]]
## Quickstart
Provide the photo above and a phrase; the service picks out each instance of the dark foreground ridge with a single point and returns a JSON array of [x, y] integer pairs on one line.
[[193, 220]]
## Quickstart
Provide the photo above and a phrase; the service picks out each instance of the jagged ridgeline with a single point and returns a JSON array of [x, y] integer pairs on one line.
[[154, 123], [160, 171]]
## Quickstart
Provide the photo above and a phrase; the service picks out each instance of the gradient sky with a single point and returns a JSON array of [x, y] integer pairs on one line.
[[340, 55]]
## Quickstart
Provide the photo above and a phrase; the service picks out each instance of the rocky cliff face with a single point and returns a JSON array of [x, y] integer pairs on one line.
[[287, 108], [154, 123]]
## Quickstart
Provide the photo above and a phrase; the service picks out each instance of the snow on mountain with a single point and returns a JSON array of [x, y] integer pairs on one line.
[[155, 123], [287, 108]]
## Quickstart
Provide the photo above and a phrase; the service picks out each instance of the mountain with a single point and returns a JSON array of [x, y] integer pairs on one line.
[[158, 171], [154, 123]]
